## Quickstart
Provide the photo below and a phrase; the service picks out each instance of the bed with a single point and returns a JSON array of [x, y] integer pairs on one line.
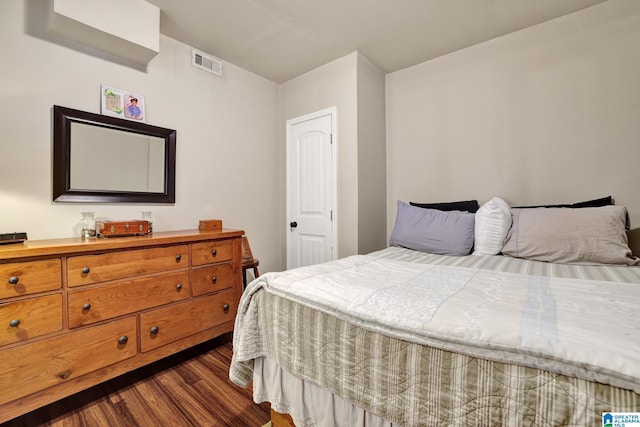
[[498, 336]]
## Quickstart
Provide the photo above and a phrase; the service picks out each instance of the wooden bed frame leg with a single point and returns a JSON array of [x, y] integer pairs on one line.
[[281, 420]]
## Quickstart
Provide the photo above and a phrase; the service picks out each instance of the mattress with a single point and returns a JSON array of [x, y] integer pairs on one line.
[[420, 339]]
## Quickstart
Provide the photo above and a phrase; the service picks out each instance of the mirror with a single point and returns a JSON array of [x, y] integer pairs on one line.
[[105, 159]]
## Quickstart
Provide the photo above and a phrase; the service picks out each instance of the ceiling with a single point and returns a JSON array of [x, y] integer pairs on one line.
[[281, 39]]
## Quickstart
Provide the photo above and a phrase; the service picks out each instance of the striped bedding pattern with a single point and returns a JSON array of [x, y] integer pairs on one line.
[[609, 273], [416, 385]]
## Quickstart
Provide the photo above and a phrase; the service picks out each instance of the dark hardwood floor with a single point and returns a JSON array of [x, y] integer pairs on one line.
[[191, 388]]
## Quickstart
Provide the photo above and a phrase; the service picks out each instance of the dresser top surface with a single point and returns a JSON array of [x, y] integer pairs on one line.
[[74, 245]]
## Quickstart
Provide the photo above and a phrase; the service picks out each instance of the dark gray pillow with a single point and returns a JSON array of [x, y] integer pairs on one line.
[[595, 203], [433, 231], [463, 205]]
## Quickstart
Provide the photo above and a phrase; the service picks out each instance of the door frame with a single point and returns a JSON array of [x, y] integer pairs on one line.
[[333, 112]]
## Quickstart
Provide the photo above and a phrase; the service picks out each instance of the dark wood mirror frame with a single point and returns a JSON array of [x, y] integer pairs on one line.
[[62, 192]]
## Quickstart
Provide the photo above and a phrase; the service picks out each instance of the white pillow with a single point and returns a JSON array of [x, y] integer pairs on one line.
[[493, 221]]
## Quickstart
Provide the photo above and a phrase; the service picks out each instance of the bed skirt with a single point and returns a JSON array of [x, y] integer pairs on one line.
[[308, 404]]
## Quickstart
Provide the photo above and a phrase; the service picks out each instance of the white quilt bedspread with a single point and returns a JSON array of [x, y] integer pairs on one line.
[[583, 328]]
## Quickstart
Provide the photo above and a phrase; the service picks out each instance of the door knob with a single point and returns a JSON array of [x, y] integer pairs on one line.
[[293, 224]]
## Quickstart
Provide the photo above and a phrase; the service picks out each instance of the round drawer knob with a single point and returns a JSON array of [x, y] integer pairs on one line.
[[214, 279], [214, 252], [154, 330], [123, 340], [14, 323], [86, 270], [179, 286], [86, 306], [178, 258], [13, 280], [225, 307]]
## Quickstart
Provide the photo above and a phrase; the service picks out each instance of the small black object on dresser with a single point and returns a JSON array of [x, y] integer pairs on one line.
[[12, 238]]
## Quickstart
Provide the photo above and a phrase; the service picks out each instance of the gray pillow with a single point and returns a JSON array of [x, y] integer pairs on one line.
[[570, 236], [433, 231]]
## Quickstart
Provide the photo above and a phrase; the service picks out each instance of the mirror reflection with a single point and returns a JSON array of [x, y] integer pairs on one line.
[[110, 160]]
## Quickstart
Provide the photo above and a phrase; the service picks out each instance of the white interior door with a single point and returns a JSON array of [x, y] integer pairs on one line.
[[311, 189]]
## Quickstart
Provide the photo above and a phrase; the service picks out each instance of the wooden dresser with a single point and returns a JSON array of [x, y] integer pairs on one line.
[[74, 312]]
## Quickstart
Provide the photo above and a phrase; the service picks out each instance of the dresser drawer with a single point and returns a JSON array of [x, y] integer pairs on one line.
[[86, 269], [39, 365], [30, 318], [210, 279], [169, 324], [212, 252], [21, 278], [116, 299]]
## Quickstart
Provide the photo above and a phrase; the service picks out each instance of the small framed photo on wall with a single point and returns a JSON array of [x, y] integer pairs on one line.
[[121, 103]]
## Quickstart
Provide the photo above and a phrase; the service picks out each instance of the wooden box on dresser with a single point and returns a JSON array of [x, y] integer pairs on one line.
[[74, 313]]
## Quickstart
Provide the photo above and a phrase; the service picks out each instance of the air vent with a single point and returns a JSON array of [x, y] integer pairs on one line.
[[206, 62]]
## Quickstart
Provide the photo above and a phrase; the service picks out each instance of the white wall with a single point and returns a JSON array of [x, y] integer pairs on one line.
[[356, 87], [333, 84], [372, 158], [228, 156], [548, 114]]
